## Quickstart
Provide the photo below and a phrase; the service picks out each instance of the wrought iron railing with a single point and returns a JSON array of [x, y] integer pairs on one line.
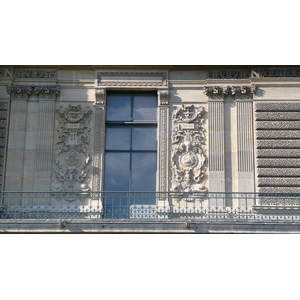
[[155, 206]]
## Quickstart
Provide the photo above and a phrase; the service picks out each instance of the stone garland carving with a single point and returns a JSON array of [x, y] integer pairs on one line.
[[73, 160], [188, 153], [49, 74], [229, 74], [163, 75], [238, 92]]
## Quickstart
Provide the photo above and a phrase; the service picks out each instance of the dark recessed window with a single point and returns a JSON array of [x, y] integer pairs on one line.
[[130, 148]]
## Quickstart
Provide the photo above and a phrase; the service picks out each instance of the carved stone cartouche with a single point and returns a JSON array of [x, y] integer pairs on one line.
[[188, 155]]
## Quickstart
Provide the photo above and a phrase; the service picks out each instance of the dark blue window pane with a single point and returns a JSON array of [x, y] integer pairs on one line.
[[118, 138], [118, 108], [144, 138], [117, 171], [145, 108], [143, 168]]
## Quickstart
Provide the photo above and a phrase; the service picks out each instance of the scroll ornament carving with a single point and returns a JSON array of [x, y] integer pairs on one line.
[[19, 90], [188, 155], [72, 161]]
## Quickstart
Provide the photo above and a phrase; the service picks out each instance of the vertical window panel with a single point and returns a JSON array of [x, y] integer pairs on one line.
[[118, 107], [145, 108], [144, 138], [118, 138]]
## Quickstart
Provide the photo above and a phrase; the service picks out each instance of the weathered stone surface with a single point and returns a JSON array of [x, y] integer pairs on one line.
[[277, 189], [278, 172], [279, 144], [277, 115], [275, 162], [278, 134], [278, 153], [278, 125], [279, 181], [277, 106]]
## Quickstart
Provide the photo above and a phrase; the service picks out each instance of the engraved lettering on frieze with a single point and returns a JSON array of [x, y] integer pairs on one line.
[[72, 159], [49, 74], [188, 152]]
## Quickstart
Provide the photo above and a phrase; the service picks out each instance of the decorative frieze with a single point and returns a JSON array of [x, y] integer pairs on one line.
[[72, 160], [6, 72], [132, 79], [228, 74], [45, 74], [188, 153], [293, 72]]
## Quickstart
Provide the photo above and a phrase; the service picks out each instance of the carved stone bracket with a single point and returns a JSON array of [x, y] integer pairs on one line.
[[163, 97], [100, 96], [188, 153], [72, 159], [238, 92]]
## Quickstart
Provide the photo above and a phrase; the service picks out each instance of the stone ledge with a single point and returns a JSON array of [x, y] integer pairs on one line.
[[273, 106], [277, 134], [102, 226], [278, 144]]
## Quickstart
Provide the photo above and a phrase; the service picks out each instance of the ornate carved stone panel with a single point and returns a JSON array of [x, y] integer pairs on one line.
[[188, 153], [72, 158]]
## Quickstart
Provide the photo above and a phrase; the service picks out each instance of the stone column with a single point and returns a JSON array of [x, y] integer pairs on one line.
[[16, 141], [44, 149], [245, 142], [163, 146]]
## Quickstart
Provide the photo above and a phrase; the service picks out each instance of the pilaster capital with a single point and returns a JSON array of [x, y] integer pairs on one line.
[[243, 92], [163, 97], [19, 91], [238, 92], [215, 92], [47, 91]]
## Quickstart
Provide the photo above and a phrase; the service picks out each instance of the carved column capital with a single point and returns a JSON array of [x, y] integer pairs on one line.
[[215, 92], [47, 91], [243, 92], [100, 97], [163, 96], [19, 91]]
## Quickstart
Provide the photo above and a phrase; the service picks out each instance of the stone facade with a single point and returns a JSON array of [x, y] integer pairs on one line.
[[225, 129]]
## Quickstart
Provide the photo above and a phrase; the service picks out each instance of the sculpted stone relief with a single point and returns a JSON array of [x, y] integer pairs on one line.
[[188, 153], [73, 160]]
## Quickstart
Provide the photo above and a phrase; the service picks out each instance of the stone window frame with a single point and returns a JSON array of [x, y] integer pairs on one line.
[[132, 80]]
